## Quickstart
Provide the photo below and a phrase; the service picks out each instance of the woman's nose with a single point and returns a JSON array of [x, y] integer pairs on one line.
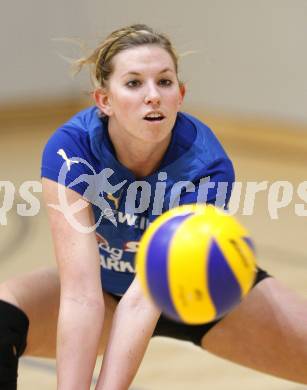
[[152, 96]]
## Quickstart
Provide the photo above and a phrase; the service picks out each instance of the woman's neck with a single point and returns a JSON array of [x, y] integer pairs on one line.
[[139, 157]]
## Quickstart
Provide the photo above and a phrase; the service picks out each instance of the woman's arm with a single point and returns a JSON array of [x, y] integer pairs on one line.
[[133, 324], [81, 303]]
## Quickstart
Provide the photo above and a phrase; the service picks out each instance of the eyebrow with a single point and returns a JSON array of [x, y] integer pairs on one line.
[[139, 74]]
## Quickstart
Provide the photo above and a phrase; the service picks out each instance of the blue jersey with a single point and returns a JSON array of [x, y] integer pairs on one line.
[[80, 155]]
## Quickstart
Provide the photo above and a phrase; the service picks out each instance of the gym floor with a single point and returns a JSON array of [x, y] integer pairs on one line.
[[261, 151]]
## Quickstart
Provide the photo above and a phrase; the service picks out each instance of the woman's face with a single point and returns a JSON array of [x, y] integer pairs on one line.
[[143, 94]]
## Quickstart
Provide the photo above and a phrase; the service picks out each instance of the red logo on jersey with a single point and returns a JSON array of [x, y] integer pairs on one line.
[[101, 240], [131, 246]]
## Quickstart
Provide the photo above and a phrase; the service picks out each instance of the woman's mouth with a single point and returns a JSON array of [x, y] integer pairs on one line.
[[154, 117]]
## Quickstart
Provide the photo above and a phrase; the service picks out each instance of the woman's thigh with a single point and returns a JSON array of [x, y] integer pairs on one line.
[[266, 332], [38, 295]]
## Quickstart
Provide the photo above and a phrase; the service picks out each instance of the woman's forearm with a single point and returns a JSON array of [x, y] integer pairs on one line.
[[132, 328], [79, 330]]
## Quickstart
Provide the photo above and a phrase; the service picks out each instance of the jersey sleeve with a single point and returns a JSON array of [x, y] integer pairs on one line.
[[214, 187], [65, 160]]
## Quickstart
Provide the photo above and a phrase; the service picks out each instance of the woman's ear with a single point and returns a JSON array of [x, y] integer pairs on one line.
[[102, 101], [182, 88]]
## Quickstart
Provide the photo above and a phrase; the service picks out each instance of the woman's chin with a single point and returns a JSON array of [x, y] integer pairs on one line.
[[156, 136]]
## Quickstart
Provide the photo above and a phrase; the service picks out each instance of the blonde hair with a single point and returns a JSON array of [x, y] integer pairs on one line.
[[100, 60]]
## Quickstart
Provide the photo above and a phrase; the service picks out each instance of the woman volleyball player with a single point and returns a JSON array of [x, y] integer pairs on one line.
[[92, 303]]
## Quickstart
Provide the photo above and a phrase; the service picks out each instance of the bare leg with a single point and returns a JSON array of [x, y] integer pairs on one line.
[[38, 295], [266, 332]]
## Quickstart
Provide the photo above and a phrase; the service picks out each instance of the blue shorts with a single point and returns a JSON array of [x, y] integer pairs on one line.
[[194, 333]]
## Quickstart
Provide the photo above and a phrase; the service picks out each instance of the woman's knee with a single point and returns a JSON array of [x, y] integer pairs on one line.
[[37, 295], [7, 295], [14, 325]]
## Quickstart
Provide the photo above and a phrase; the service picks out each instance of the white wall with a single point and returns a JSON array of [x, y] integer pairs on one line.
[[30, 66], [250, 55]]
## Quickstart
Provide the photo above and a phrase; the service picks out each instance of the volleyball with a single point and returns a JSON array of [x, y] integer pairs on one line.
[[196, 263]]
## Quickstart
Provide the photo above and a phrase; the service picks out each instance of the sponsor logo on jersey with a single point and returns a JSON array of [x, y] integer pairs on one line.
[[111, 258], [131, 246], [108, 262], [139, 222], [69, 162], [101, 240], [114, 199]]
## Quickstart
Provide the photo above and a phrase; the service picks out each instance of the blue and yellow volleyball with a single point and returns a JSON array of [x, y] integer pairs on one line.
[[196, 263]]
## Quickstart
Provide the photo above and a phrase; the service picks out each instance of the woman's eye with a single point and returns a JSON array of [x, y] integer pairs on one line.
[[133, 83], [165, 82]]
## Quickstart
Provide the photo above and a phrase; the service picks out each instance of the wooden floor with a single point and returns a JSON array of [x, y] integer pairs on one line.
[[259, 155]]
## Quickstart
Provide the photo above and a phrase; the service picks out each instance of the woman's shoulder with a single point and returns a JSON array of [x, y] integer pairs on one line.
[[205, 143], [75, 134], [81, 124], [70, 147]]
